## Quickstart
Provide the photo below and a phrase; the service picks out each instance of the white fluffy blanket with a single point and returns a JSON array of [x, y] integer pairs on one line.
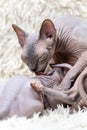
[[29, 14]]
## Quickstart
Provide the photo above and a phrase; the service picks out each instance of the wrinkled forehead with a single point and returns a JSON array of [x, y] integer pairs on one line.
[[34, 46], [32, 38]]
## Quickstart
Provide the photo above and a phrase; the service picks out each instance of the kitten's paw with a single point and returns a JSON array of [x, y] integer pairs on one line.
[[37, 86]]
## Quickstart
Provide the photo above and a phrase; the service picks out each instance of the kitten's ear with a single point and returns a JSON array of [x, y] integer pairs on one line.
[[63, 67], [47, 29], [20, 34]]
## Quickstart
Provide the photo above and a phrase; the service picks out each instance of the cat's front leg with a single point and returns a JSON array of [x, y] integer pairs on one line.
[[74, 72], [58, 95]]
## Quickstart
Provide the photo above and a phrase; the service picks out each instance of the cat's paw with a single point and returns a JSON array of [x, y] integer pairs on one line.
[[65, 85], [37, 86]]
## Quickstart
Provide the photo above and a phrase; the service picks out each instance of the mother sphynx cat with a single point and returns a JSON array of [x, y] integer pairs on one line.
[[64, 41]]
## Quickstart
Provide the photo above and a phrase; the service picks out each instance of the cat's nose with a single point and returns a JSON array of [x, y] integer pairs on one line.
[[34, 69]]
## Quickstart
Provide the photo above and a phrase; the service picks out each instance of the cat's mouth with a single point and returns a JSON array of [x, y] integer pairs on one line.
[[40, 73]]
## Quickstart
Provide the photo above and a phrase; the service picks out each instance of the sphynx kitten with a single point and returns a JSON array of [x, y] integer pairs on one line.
[[18, 97]]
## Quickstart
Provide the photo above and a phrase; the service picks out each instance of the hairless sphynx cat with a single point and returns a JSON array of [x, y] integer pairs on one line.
[[17, 97], [77, 94], [64, 41]]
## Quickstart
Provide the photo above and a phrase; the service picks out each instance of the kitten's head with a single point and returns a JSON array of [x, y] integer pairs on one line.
[[38, 48]]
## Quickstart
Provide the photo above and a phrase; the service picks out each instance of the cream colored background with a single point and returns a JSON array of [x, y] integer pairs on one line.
[[29, 14]]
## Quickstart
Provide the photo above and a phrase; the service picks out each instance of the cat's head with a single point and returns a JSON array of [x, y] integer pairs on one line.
[[38, 48]]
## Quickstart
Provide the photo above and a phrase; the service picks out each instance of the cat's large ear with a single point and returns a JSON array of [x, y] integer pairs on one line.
[[47, 29], [20, 34], [64, 67]]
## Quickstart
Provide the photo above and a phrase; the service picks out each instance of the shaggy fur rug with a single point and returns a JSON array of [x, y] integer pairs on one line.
[[29, 14]]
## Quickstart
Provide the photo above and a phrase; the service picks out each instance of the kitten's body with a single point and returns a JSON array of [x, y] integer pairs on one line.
[[17, 96]]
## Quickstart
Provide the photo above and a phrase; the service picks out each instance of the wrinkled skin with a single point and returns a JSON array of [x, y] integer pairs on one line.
[[83, 87], [78, 92], [17, 97], [77, 95], [64, 41]]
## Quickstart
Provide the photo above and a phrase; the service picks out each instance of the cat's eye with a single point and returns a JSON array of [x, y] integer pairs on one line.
[[48, 35], [43, 58]]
